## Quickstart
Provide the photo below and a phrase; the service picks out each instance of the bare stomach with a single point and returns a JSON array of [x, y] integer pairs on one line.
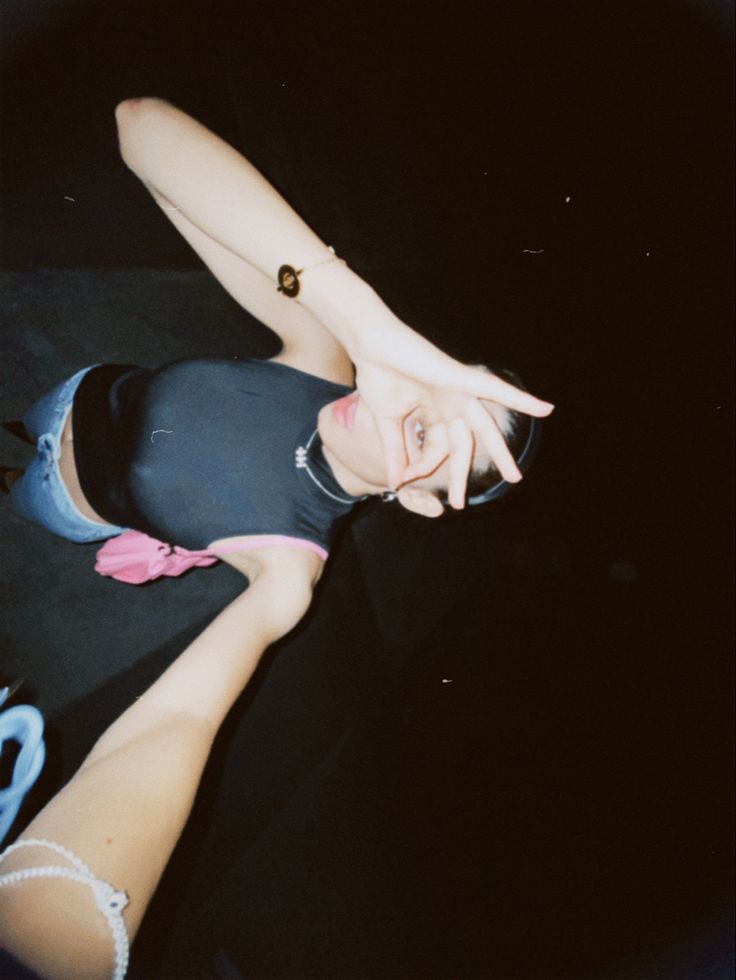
[[68, 470]]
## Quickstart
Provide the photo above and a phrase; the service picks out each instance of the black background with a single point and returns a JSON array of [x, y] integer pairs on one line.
[[547, 185]]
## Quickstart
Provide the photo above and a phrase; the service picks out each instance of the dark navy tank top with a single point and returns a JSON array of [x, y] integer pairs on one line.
[[207, 448]]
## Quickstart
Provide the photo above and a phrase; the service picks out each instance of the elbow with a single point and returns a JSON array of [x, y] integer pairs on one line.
[[127, 112], [127, 115], [131, 109], [130, 117]]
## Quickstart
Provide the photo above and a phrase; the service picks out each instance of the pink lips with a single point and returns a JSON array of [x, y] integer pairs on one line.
[[344, 409]]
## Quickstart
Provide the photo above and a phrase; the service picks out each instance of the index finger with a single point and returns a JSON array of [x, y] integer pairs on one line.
[[483, 384]]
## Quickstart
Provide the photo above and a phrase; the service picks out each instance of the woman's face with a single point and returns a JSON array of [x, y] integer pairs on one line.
[[353, 447]]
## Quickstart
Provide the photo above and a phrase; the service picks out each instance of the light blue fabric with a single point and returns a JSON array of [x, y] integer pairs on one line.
[[22, 724], [40, 494]]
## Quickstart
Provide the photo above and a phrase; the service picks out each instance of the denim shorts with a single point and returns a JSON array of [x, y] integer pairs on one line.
[[40, 495]]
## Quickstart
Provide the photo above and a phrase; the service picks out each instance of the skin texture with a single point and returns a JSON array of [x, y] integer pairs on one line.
[[234, 218], [353, 447], [417, 427], [68, 470], [148, 763]]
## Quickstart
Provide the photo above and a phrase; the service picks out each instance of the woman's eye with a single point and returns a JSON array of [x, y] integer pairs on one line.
[[419, 433]]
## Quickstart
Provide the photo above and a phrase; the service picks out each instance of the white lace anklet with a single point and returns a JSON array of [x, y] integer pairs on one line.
[[109, 901]]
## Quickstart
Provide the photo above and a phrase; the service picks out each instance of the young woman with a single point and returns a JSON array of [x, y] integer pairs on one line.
[[142, 450], [250, 461]]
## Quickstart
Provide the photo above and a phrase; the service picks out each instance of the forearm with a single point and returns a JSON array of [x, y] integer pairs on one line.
[[122, 815], [124, 810], [224, 195], [204, 681]]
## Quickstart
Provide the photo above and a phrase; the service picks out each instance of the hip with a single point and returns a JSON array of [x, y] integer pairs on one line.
[[48, 493]]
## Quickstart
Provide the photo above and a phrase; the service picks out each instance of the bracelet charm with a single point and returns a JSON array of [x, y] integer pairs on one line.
[[288, 276]]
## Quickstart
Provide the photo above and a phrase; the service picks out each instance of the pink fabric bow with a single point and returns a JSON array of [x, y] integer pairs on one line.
[[135, 558]]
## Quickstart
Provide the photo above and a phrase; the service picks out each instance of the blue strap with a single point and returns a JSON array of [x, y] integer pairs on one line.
[[22, 724]]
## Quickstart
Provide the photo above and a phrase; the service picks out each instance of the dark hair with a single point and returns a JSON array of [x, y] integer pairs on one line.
[[516, 433]]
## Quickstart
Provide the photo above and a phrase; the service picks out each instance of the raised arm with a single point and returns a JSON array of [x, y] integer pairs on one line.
[[227, 199], [124, 810], [307, 343]]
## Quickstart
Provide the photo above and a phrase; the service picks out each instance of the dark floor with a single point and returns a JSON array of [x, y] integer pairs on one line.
[[499, 746]]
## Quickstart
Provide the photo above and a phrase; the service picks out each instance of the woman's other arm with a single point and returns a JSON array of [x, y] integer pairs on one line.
[[225, 197], [124, 810]]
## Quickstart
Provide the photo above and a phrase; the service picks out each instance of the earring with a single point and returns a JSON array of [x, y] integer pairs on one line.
[[388, 495]]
